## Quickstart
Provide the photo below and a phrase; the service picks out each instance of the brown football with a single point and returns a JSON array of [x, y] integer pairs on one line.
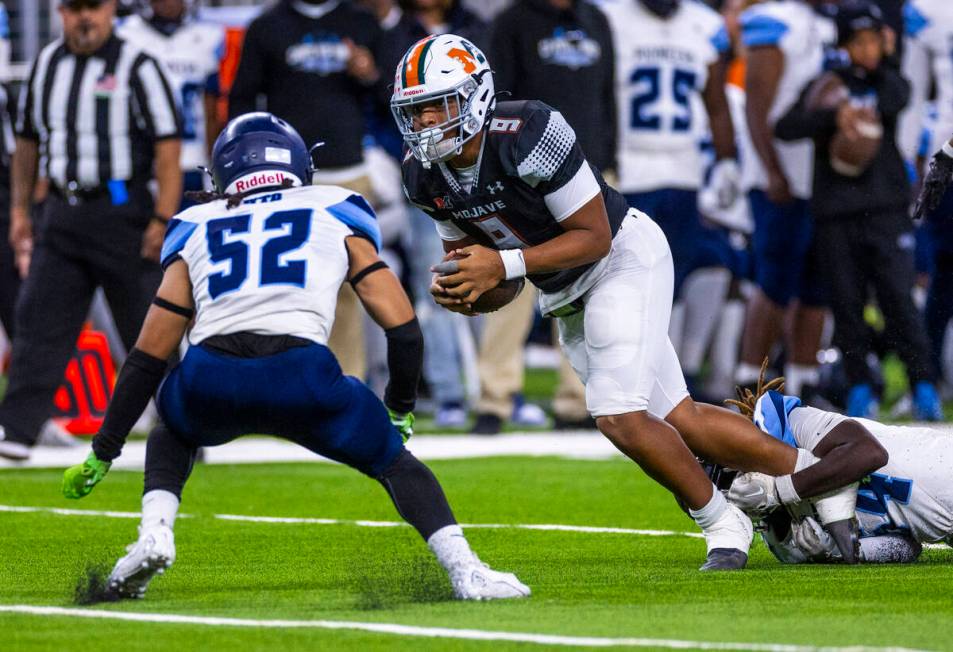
[[847, 157], [851, 158], [494, 299]]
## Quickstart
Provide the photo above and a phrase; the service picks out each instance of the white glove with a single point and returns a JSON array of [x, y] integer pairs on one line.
[[754, 493], [836, 505], [725, 183], [811, 538]]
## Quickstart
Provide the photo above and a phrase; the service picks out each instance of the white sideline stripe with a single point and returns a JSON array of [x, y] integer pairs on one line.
[[361, 523], [435, 632], [581, 445]]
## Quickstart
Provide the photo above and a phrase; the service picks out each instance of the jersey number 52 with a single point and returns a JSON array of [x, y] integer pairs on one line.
[[273, 270]]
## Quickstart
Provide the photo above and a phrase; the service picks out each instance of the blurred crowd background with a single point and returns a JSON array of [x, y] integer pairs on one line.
[[789, 253]]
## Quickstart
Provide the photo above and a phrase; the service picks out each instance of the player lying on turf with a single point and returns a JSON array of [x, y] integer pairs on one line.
[[260, 267], [904, 496], [513, 196]]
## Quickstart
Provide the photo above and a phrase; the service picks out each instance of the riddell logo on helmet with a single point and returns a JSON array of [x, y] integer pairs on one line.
[[415, 91], [260, 179]]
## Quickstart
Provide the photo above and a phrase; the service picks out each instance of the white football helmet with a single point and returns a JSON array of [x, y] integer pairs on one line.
[[444, 68]]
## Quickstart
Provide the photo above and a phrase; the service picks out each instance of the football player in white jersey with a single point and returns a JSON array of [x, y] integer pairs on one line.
[[904, 497], [191, 51], [259, 268], [670, 92], [785, 41], [927, 60]]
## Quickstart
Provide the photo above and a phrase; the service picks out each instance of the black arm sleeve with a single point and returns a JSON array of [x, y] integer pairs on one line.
[[138, 381], [405, 359], [893, 95]]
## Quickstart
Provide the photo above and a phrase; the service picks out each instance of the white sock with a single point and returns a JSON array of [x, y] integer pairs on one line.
[[747, 374], [724, 349], [708, 515], [159, 508], [704, 293], [450, 547], [796, 376]]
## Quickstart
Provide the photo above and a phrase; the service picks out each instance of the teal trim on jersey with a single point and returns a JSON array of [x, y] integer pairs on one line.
[[771, 416], [720, 40], [358, 214], [176, 235], [758, 30], [913, 21], [4, 23]]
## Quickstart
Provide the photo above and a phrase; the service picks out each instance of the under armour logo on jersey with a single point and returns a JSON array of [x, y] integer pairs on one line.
[[493, 187]]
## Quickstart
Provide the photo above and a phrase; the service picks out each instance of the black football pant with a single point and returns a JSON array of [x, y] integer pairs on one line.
[[875, 252], [76, 249]]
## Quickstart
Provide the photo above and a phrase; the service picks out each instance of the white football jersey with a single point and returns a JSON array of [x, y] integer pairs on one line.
[[272, 265], [191, 56], [912, 493], [927, 56], [801, 35], [661, 69]]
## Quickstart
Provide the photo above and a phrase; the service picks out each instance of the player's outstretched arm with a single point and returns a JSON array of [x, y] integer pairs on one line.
[[138, 380], [847, 453], [386, 302]]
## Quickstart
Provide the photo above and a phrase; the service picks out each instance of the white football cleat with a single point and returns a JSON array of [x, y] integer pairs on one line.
[[477, 581], [146, 558], [728, 541]]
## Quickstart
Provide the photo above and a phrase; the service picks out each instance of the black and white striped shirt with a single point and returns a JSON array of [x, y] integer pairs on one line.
[[97, 117]]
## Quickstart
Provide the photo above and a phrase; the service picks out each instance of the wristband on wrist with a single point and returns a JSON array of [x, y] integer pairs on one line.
[[947, 149], [513, 264], [786, 491]]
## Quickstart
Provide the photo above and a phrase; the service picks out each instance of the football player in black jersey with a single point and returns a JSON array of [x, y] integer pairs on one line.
[[512, 195]]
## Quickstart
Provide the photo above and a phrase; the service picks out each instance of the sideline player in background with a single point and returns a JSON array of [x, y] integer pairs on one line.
[[785, 41], [259, 268], [671, 64], [514, 196], [191, 52]]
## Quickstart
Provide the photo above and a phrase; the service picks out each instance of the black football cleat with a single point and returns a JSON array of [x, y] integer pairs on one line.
[[725, 559]]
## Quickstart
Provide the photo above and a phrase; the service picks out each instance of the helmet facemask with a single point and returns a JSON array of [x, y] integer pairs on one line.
[[445, 140]]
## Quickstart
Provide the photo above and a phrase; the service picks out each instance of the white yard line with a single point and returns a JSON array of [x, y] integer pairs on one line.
[[432, 632], [546, 527], [256, 450]]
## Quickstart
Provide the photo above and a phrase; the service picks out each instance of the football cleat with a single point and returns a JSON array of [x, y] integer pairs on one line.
[[477, 581], [926, 402], [725, 559], [728, 540], [149, 556]]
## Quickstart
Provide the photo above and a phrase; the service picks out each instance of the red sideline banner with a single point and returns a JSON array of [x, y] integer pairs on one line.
[[80, 403]]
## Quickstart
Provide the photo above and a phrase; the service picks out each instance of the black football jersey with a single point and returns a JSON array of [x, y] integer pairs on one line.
[[529, 151]]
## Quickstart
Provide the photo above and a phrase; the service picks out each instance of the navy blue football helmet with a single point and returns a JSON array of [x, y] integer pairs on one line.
[[258, 142]]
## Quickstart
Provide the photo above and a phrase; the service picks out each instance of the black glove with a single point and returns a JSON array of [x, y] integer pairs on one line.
[[934, 184]]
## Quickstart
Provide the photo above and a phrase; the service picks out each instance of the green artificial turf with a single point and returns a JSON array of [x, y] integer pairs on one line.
[[584, 584]]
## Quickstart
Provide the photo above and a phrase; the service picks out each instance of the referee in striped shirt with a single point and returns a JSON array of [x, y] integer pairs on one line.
[[97, 119]]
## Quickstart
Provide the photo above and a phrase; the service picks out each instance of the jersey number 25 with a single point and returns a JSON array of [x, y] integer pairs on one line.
[[649, 83]]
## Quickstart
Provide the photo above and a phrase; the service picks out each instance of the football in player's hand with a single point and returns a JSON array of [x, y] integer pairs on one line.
[[494, 299], [852, 152]]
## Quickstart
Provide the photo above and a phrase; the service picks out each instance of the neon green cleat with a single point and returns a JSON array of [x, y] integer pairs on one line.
[[79, 480]]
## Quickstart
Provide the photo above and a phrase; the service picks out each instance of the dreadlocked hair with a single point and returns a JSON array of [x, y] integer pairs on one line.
[[234, 199], [747, 400]]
